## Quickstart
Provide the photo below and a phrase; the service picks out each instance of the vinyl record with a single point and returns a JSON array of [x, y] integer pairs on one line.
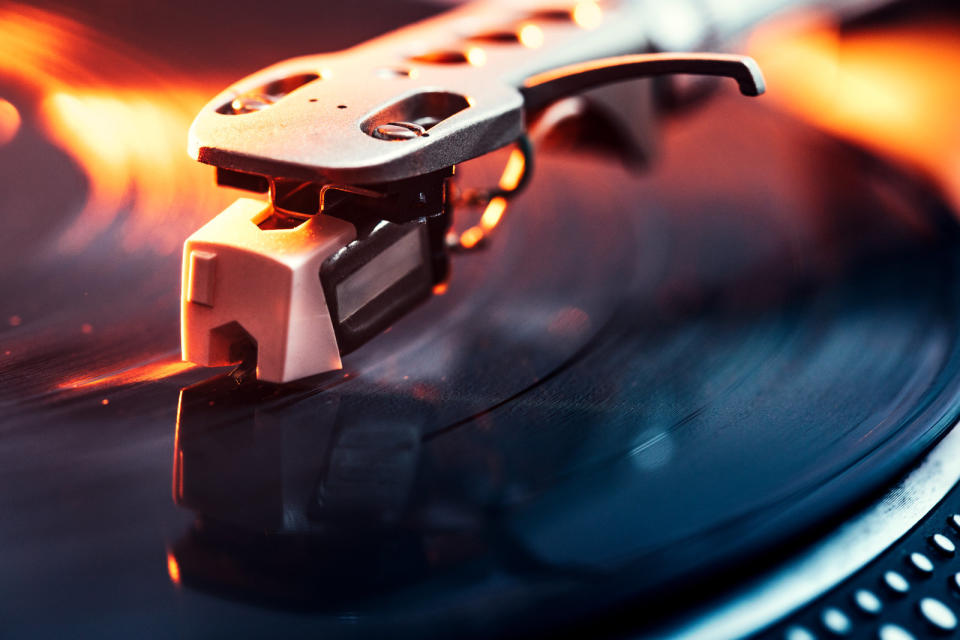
[[646, 386]]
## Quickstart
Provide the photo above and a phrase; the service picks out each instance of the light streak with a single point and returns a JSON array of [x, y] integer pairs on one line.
[[147, 372]]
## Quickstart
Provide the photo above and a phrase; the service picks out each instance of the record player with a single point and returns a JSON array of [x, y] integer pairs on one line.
[[662, 362]]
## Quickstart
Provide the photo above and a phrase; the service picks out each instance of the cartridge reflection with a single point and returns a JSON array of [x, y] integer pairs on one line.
[[272, 461], [302, 498]]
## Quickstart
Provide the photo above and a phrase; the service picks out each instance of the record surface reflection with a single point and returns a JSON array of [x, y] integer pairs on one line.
[[646, 385], [683, 394]]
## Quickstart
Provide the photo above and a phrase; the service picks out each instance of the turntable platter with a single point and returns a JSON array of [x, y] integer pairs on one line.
[[645, 382]]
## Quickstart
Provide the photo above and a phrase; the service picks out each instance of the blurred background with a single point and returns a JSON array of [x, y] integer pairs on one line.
[[97, 97], [852, 156]]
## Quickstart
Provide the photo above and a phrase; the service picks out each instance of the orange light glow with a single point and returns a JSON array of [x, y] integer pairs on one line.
[[123, 120], [587, 15], [471, 237], [147, 372], [891, 89], [129, 142], [9, 122], [177, 491], [476, 56], [440, 289], [513, 172], [493, 213], [105, 401], [178, 487], [173, 569], [531, 36]]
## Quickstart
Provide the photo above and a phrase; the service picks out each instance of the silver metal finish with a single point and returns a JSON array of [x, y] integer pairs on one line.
[[896, 583], [329, 117], [943, 544], [955, 522], [836, 557], [399, 131], [379, 274], [798, 633], [414, 102], [251, 102], [429, 96], [836, 621], [546, 87], [893, 632], [921, 563], [939, 615], [867, 601]]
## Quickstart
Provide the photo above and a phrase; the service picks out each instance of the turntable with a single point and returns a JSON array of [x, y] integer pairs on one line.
[[701, 382]]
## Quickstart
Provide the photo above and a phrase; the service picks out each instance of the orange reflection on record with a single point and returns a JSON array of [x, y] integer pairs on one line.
[[122, 121], [147, 372], [173, 569]]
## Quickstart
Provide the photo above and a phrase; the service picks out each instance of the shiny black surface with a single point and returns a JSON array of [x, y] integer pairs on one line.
[[646, 385]]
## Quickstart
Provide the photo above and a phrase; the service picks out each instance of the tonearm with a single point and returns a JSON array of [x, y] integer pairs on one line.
[[356, 150]]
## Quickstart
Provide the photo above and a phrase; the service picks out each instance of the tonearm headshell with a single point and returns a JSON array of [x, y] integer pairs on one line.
[[356, 152]]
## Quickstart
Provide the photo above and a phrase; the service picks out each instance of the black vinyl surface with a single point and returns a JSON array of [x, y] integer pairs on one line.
[[647, 387]]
